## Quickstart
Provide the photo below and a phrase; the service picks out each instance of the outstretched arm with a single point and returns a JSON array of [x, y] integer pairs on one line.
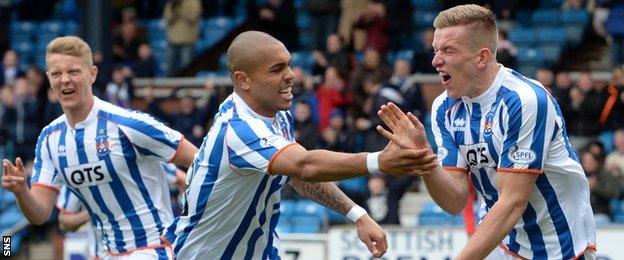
[[324, 165], [332, 197], [36, 203]]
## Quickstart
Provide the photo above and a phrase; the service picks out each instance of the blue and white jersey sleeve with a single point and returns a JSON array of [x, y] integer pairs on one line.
[[149, 136], [528, 117], [44, 172], [445, 146], [251, 145], [68, 202]]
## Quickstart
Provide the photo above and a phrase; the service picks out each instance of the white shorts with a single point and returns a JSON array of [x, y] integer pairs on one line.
[[499, 254], [143, 254]]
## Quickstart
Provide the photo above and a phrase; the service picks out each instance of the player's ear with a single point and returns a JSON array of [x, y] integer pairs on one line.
[[241, 80], [484, 57]]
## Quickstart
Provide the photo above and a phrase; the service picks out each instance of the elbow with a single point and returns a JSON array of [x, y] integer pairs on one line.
[[307, 174], [38, 220]]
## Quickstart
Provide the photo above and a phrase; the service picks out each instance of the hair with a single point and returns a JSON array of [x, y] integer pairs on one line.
[[482, 21], [72, 46]]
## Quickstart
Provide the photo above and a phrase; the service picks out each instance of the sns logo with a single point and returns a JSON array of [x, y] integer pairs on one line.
[[90, 174], [521, 155]]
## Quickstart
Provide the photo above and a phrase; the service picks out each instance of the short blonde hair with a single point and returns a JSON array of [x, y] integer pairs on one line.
[[72, 46], [481, 19]]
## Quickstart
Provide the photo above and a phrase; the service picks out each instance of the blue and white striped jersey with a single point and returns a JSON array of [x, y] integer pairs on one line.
[[112, 162], [516, 127], [69, 203], [232, 200]]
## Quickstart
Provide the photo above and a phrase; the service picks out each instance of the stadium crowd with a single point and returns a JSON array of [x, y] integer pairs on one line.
[[355, 69]]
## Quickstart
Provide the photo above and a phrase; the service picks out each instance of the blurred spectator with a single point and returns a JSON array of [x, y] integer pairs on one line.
[[614, 107], [569, 5], [586, 108], [561, 92], [331, 94], [10, 69], [306, 130], [120, 90], [602, 185], [614, 163], [371, 66], [615, 28], [506, 53], [337, 136], [126, 45], [324, 18], [277, 18], [423, 56], [408, 87], [6, 100], [546, 77], [350, 12], [303, 90], [22, 118], [334, 55], [145, 67], [382, 198], [188, 120], [103, 76], [378, 94], [52, 108], [182, 18], [376, 25]]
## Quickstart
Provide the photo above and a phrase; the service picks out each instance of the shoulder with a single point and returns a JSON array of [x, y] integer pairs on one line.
[[524, 91], [121, 115], [54, 126], [443, 103]]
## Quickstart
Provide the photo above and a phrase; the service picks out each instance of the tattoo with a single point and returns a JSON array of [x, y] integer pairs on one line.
[[325, 193]]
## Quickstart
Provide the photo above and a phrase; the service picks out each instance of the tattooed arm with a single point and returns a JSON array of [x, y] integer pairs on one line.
[[330, 196], [324, 193]]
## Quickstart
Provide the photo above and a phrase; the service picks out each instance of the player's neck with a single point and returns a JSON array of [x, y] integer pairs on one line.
[[79, 114], [484, 82]]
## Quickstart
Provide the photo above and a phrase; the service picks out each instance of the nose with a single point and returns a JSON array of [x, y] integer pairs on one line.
[[290, 75], [64, 77], [436, 61]]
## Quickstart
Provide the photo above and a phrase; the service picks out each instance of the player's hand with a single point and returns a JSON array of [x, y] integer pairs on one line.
[[371, 234], [14, 176], [397, 161], [407, 131]]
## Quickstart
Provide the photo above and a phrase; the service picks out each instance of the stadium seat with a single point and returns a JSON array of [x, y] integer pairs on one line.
[[306, 224], [287, 208], [429, 5], [51, 27], [424, 19], [221, 22], [70, 28], [575, 17], [532, 56], [303, 21], [302, 59], [223, 62], [23, 28], [310, 208], [522, 37], [354, 184], [154, 25], [551, 35], [545, 17], [551, 53], [606, 138], [550, 4]]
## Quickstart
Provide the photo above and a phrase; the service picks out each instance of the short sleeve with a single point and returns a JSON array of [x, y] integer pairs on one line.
[[68, 202], [445, 146], [528, 136], [148, 135], [251, 145], [44, 172]]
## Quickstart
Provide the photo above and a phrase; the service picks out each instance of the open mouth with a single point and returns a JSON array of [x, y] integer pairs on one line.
[[67, 91], [286, 92], [445, 77]]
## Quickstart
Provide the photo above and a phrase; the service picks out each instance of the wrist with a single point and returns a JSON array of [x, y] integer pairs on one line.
[[355, 213], [372, 163]]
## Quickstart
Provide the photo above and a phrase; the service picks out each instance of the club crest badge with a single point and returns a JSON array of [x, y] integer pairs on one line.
[[101, 143]]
